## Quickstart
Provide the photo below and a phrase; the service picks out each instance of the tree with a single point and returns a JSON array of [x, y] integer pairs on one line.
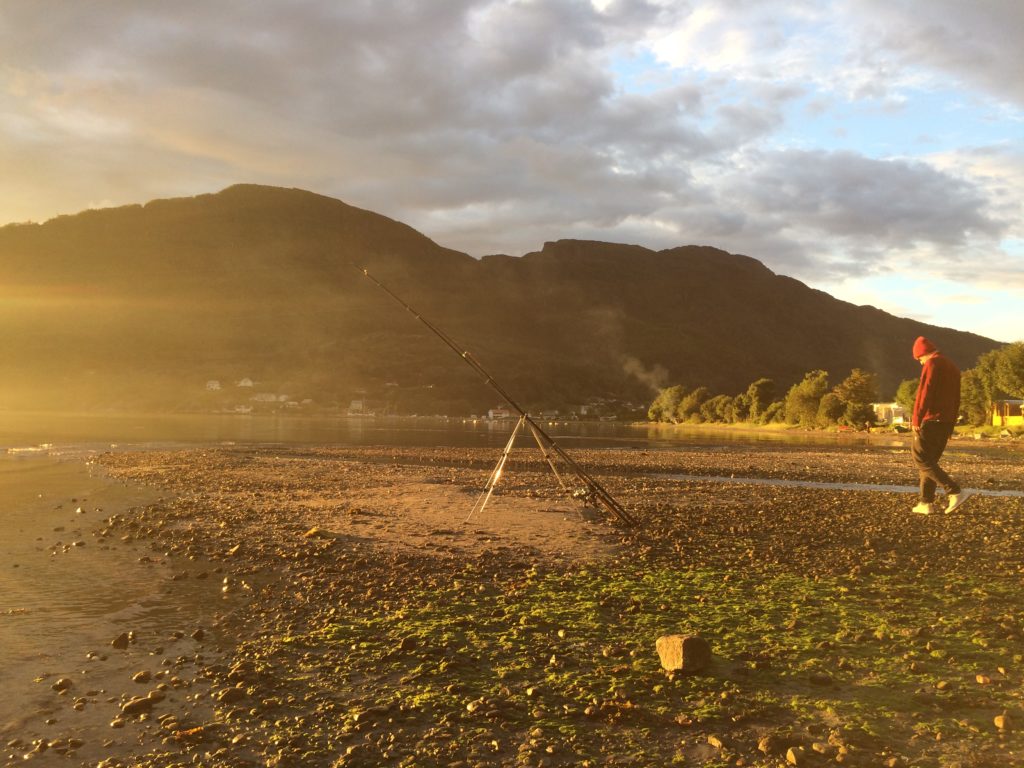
[[906, 393], [860, 387], [855, 394], [804, 397], [760, 393], [740, 410], [1009, 370], [774, 413], [715, 409], [689, 405], [858, 415], [997, 375], [664, 406], [988, 375], [830, 409], [975, 406]]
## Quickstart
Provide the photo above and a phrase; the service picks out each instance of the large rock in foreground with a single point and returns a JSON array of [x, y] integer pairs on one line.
[[681, 653]]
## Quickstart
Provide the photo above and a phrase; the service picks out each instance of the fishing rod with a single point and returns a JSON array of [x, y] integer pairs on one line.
[[594, 490]]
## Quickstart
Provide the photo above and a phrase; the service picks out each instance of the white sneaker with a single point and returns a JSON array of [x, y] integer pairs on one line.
[[955, 500], [924, 508]]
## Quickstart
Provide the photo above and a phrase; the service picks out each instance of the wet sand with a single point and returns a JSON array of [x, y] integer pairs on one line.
[[67, 589], [319, 541]]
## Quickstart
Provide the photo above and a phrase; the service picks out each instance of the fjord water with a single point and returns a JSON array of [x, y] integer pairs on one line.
[[65, 593], [100, 430]]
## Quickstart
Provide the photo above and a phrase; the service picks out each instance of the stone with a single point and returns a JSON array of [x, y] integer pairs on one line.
[[62, 684], [688, 653], [121, 641], [1003, 722], [142, 677], [795, 756], [230, 695], [137, 706]]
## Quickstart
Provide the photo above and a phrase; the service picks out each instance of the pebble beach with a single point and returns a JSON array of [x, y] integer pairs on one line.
[[307, 606]]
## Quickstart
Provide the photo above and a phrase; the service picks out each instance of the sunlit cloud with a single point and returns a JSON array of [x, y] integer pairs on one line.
[[834, 141]]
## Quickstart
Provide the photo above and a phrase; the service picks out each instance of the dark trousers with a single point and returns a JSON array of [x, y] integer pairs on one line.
[[929, 443]]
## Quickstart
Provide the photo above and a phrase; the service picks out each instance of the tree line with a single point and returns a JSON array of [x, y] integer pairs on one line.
[[812, 402]]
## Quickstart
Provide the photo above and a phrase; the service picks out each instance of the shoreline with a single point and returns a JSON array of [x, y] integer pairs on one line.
[[72, 588], [376, 627]]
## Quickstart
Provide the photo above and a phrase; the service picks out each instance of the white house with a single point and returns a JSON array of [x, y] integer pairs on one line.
[[889, 413]]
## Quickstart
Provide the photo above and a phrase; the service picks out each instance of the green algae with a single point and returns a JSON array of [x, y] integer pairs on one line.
[[569, 656]]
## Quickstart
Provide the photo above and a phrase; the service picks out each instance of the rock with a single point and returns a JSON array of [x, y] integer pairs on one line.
[[62, 684], [137, 706], [142, 677], [685, 653], [715, 742], [1003, 722], [198, 635], [121, 641], [796, 756], [230, 695]]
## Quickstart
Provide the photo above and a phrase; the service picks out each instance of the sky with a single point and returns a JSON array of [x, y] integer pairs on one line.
[[873, 149]]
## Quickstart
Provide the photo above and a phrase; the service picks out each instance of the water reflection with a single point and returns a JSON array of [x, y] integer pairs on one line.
[[31, 429]]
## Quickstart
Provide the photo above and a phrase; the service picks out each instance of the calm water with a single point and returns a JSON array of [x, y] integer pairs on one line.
[[21, 430], [65, 593]]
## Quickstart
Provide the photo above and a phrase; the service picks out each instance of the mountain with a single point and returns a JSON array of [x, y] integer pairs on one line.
[[141, 306]]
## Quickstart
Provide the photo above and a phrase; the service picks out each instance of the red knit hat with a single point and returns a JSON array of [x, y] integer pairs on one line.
[[923, 347]]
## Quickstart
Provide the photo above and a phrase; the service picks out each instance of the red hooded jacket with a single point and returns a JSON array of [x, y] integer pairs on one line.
[[938, 393]]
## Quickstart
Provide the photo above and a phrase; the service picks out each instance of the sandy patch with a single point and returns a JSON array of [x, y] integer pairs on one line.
[[422, 515]]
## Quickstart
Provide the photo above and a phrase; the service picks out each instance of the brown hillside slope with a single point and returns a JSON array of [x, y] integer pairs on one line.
[[139, 306]]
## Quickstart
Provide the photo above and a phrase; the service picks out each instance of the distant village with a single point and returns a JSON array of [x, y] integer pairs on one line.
[[248, 396]]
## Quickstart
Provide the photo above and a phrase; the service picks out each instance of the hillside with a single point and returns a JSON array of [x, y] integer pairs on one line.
[[141, 306]]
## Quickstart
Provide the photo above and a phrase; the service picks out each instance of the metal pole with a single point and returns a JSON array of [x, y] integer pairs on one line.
[[492, 481], [595, 489]]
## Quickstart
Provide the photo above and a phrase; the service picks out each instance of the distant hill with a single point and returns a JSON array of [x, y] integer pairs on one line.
[[141, 306]]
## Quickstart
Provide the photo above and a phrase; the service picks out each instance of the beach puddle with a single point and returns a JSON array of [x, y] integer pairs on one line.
[[823, 485]]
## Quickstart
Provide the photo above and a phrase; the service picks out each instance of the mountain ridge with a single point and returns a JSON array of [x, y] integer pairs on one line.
[[141, 305]]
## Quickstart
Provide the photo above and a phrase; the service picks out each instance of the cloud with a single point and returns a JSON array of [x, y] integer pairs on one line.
[[977, 43], [843, 194], [494, 125]]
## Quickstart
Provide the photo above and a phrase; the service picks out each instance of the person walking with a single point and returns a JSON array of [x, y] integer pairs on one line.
[[936, 409]]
